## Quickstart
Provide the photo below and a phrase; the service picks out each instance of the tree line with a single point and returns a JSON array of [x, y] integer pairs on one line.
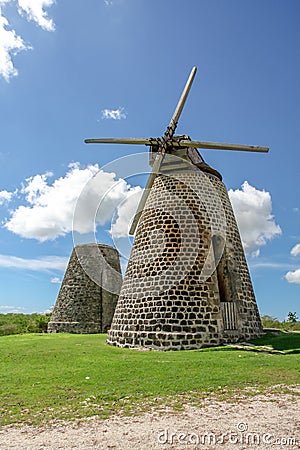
[[291, 323], [12, 323], [17, 323]]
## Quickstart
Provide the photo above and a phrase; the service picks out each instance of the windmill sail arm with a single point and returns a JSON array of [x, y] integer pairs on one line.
[[183, 97], [155, 169], [221, 146], [134, 141]]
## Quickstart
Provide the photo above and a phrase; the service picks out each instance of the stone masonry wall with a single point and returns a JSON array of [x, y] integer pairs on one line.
[[83, 305], [172, 296]]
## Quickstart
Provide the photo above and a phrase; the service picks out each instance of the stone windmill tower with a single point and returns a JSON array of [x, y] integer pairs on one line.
[[187, 283], [86, 300]]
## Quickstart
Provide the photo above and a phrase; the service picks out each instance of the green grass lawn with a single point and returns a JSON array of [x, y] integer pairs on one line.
[[61, 376]]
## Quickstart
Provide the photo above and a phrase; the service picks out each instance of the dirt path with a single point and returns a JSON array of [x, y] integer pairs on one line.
[[263, 421]]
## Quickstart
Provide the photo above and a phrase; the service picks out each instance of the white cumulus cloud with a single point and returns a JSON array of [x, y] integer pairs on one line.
[[5, 196], [49, 206], [34, 10], [125, 213], [98, 201], [294, 252], [55, 280], [10, 42], [253, 211], [293, 277], [46, 263], [115, 114]]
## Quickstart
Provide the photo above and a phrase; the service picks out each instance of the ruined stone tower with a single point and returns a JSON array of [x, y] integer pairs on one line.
[[187, 283], [85, 303]]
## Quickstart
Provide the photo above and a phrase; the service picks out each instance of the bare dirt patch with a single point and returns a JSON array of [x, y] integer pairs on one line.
[[263, 421]]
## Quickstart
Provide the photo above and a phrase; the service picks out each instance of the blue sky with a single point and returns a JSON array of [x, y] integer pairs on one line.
[[111, 68]]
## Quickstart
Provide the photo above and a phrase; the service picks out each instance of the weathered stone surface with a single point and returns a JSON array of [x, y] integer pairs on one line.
[[173, 296], [83, 305]]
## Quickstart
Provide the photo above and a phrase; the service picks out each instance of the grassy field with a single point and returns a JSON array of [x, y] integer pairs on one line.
[[45, 377]]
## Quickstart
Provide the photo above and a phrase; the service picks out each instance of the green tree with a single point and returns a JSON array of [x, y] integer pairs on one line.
[[292, 317]]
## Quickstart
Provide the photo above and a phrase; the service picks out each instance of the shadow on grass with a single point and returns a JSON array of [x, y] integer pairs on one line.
[[280, 340], [287, 342]]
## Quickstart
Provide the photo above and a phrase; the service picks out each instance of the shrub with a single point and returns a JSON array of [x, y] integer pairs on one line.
[[270, 322], [38, 324], [7, 329]]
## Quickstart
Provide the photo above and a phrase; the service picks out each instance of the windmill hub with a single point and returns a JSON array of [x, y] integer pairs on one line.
[[179, 156]]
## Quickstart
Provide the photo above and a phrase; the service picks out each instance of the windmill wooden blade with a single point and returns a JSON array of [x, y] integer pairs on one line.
[[181, 102], [134, 141], [220, 146], [156, 166], [179, 143]]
